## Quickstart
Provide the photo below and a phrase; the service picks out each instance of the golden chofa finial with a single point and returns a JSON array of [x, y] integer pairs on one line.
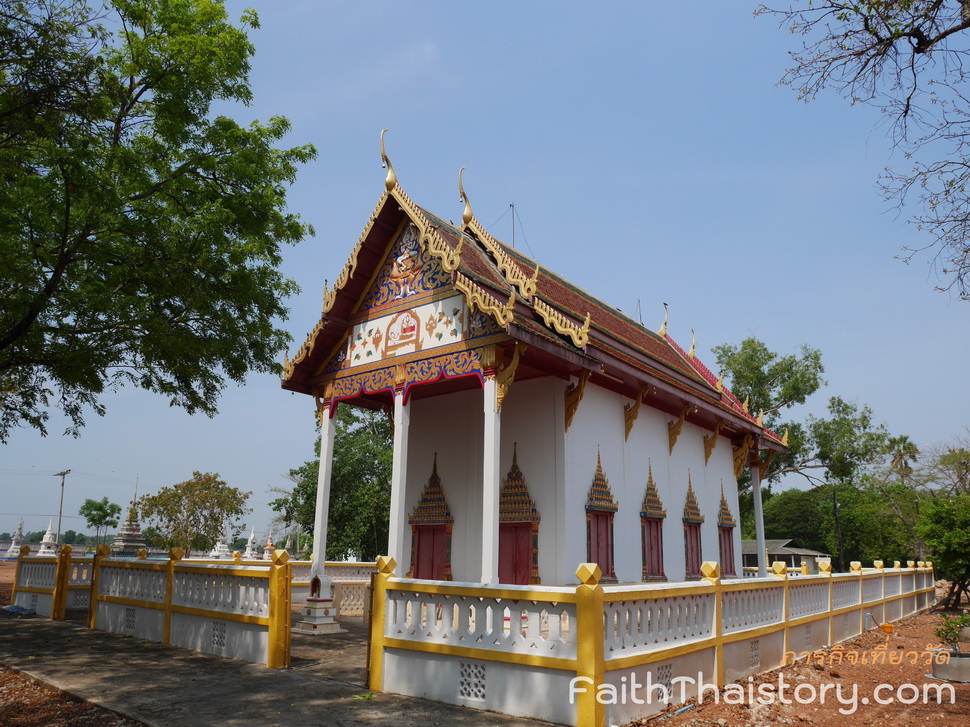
[[693, 343], [391, 180], [466, 215], [761, 418], [663, 326], [745, 404], [720, 382], [784, 440]]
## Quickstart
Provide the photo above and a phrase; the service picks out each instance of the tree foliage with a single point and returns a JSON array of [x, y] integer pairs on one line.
[[193, 514], [360, 486], [945, 527], [141, 232], [100, 515], [909, 59]]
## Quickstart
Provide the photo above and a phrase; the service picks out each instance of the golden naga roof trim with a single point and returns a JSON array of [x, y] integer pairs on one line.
[[477, 297], [505, 377], [632, 411], [391, 180], [289, 365], [509, 268], [574, 395], [562, 325], [710, 441], [673, 428]]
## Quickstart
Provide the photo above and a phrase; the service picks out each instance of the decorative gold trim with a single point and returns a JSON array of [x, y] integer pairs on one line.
[[741, 455], [746, 404], [761, 418], [391, 180], [710, 442], [724, 517], [673, 428], [764, 465], [467, 215], [784, 440], [506, 264], [720, 383], [562, 325], [350, 267], [574, 395], [477, 297], [693, 344], [448, 257], [289, 366], [507, 375], [663, 326], [632, 411]]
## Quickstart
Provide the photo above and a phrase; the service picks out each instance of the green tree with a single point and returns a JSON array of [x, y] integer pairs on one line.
[[68, 537], [141, 232], [100, 515], [6, 537], [34, 537], [909, 60], [193, 514], [945, 528], [360, 486]]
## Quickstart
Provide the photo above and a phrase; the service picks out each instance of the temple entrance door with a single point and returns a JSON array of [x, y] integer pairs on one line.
[[429, 556], [514, 553]]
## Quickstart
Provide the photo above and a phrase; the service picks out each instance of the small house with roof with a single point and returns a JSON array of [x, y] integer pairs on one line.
[[535, 426]]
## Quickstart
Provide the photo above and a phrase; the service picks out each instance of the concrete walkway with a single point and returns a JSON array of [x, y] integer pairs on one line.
[[165, 686]]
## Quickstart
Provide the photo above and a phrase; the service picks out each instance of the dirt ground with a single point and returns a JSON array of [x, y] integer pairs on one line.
[[25, 704]]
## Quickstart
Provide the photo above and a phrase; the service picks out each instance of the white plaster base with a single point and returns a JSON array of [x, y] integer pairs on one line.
[[318, 616]]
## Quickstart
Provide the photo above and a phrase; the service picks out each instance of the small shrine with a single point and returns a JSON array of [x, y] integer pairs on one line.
[[221, 550], [251, 553], [130, 538], [18, 539], [47, 545]]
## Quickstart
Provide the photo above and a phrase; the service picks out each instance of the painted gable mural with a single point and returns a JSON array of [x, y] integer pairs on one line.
[[411, 312]]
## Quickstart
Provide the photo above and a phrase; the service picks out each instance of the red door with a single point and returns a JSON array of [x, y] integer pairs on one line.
[[429, 556], [514, 553]]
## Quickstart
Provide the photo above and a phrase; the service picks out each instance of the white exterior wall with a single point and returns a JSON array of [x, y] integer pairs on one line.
[[532, 419], [559, 467], [599, 423], [450, 425]]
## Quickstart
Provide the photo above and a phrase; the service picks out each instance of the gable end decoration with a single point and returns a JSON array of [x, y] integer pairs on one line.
[[478, 298], [555, 320]]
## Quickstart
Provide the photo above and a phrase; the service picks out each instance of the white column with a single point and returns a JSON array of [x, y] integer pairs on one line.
[[490, 484], [397, 546], [322, 510], [759, 520]]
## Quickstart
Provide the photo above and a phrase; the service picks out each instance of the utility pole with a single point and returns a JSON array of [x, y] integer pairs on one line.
[[60, 510]]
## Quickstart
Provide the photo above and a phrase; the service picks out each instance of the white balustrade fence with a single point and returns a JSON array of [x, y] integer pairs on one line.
[[753, 607], [647, 622]]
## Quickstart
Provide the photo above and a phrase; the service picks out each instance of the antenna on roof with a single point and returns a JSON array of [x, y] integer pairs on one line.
[[512, 205]]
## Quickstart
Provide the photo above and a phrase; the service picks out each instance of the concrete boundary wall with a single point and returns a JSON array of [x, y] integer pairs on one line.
[[52, 585], [548, 652]]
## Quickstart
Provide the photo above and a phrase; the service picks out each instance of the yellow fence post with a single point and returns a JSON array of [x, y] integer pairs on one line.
[[385, 570], [590, 661], [712, 574], [855, 568], [825, 569], [780, 570], [62, 575], [102, 551], [174, 556], [24, 552], [279, 612]]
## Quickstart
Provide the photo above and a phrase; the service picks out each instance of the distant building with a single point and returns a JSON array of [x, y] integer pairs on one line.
[[781, 550]]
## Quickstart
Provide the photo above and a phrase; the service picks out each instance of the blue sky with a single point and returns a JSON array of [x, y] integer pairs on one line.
[[651, 158]]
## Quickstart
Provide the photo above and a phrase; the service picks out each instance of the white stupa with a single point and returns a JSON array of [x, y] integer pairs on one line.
[[18, 539], [251, 553], [47, 545], [289, 543], [222, 546], [269, 548]]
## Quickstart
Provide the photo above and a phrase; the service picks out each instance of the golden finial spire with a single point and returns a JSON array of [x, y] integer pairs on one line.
[[784, 440], [693, 344], [663, 327], [745, 404], [761, 418], [720, 382], [391, 180], [466, 215]]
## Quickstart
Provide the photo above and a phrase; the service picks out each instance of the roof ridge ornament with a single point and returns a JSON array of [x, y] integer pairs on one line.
[[467, 215], [693, 344], [663, 326], [391, 180]]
